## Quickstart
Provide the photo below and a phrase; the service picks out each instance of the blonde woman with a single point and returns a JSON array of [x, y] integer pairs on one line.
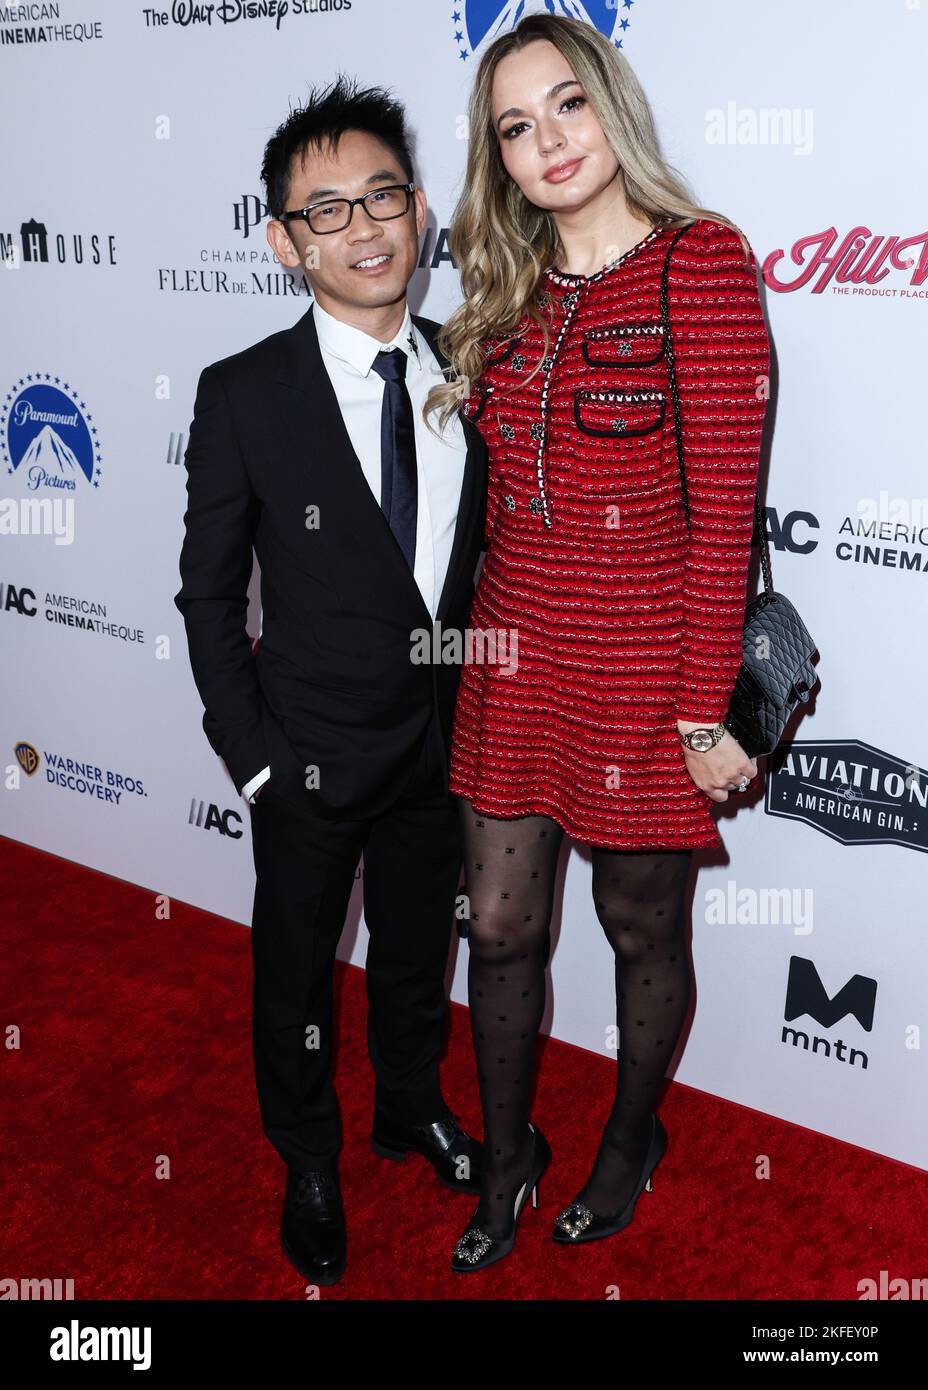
[[621, 628]]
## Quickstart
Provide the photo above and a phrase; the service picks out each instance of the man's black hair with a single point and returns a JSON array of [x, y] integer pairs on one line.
[[325, 118]]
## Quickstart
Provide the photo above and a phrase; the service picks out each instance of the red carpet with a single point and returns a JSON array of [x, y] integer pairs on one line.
[[135, 1057]]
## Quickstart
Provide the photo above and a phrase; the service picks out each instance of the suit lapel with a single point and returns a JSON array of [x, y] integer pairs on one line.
[[311, 418]]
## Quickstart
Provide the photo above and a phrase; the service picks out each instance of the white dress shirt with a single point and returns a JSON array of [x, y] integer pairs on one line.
[[348, 354]]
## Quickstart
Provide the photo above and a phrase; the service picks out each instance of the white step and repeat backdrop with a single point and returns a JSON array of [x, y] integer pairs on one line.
[[134, 253]]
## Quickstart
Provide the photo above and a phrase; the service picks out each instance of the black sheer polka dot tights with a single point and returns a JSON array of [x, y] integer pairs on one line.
[[510, 869]]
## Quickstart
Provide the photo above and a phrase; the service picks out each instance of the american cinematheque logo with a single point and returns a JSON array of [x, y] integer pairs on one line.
[[479, 21], [48, 437], [856, 794]]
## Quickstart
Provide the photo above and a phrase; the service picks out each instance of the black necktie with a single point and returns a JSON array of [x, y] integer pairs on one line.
[[398, 478]]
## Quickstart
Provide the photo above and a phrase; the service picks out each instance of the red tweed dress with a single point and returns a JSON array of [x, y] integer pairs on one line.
[[609, 621]]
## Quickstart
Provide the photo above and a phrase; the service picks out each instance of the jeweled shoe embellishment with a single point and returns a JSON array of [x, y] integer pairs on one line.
[[472, 1246], [574, 1219]]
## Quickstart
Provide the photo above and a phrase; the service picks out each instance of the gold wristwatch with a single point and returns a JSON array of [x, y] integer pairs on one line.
[[701, 740]]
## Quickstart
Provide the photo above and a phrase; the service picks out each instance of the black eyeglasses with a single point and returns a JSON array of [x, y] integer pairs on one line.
[[382, 204]]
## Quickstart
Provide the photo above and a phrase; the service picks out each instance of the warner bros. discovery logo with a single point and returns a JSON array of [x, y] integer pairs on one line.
[[806, 995], [28, 757], [851, 791]]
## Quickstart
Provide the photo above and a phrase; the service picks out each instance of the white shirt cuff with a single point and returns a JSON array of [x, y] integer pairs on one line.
[[251, 787]]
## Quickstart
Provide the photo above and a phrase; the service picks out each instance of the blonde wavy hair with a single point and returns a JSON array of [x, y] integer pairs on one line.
[[502, 242]]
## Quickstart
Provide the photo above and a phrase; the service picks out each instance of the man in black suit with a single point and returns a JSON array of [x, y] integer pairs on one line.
[[310, 447]]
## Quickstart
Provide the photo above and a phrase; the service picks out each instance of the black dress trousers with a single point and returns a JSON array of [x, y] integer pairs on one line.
[[305, 868]]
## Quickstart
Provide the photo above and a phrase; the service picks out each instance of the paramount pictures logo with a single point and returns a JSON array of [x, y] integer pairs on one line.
[[477, 21], [850, 791]]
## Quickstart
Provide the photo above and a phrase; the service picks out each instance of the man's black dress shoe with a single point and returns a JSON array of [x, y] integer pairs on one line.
[[312, 1225], [455, 1156]]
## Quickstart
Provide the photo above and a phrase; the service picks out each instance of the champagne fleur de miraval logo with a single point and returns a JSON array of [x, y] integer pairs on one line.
[[480, 21], [48, 436]]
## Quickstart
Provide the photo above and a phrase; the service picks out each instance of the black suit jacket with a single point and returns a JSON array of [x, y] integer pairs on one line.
[[332, 684]]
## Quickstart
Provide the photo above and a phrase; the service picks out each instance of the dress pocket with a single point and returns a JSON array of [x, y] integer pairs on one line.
[[475, 402], [624, 345], [619, 414]]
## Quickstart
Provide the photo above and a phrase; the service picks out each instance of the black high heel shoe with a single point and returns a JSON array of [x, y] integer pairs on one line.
[[577, 1224], [476, 1249]]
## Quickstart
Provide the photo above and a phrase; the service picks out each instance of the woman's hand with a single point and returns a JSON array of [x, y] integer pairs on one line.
[[720, 770]]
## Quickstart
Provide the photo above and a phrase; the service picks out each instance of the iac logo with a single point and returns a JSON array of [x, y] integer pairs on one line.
[[209, 817], [797, 532], [13, 600], [479, 20], [806, 995]]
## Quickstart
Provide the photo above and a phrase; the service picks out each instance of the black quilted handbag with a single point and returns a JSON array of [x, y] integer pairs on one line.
[[776, 668]]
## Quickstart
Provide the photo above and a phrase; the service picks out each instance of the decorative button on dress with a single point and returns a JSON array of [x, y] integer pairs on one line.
[[610, 622]]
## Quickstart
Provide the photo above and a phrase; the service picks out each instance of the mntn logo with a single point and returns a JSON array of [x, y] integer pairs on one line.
[[805, 994], [207, 816]]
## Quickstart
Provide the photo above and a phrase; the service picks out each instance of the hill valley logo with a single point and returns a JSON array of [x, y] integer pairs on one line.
[[477, 22], [48, 437], [858, 263]]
